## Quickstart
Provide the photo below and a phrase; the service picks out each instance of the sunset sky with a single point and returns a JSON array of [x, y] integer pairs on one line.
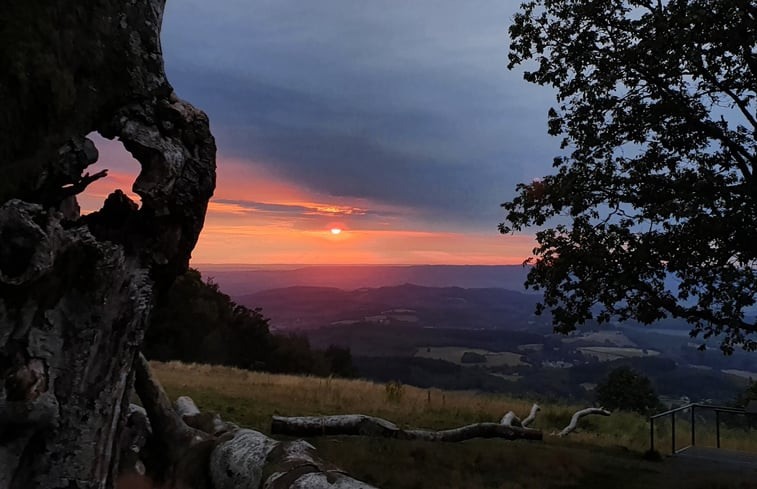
[[395, 122]]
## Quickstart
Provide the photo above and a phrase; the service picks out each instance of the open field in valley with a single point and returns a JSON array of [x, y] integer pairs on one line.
[[610, 353], [454, 354]]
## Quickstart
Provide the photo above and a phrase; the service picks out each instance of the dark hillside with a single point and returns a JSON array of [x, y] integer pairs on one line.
[[247, 279], [439, 307]]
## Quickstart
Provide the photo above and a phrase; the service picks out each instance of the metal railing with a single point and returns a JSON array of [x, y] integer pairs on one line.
[[693, 407]]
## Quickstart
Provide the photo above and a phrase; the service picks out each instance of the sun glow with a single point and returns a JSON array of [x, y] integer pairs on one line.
[[335, 231]]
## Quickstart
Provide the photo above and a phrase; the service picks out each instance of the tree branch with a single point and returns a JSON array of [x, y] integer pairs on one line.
[[362, 425], [580, 414], [531, 416], [509, 419], [165, 422]]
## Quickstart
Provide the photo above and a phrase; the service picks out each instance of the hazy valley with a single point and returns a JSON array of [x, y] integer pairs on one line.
[[476, 337]]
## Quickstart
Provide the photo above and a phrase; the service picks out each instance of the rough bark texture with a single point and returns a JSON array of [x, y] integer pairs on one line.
[[75, 291]]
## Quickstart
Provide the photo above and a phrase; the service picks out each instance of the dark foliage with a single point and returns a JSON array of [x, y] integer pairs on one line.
[[429, 372], [340, 361], [472, 357], [195, 322], [652, 210], [628, 390], [748, 394]]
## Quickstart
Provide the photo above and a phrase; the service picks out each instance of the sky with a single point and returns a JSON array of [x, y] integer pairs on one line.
[[395, 122]]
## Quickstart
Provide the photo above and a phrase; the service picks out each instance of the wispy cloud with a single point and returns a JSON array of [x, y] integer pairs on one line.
[[405, 103]]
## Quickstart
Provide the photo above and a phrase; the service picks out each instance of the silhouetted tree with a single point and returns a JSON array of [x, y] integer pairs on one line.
[[472, 357], [626, 389], [748, 394], [340, 361], [195, 322], [658, 117]]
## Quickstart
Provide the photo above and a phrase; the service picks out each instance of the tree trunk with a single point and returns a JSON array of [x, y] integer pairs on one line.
[[68, 341], [75, 292]]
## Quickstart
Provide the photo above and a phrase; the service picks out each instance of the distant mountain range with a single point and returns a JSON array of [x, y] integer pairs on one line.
[[238, 280], [435, 307], [415, 324]]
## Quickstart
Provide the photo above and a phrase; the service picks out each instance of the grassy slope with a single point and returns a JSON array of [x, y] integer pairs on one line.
[[605, 453]]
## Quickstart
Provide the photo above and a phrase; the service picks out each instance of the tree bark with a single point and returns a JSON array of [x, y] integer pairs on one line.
[[76, 292], [67, 341]]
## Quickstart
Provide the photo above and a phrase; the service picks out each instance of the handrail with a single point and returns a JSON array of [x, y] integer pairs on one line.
[[722, 409], [692, 406]]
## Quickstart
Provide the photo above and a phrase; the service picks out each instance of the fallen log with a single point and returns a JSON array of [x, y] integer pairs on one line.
[[197, 450], [580, 414], [362, 425]]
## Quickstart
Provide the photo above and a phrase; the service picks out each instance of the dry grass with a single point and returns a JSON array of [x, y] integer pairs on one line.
[[252, 397], [301, 395], [604, 452]]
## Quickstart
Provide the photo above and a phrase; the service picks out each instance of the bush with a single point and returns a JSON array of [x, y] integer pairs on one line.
[[472, 357], [628, 390]]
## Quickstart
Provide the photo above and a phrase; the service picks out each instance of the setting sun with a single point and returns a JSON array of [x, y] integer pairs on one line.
[[335, 230]]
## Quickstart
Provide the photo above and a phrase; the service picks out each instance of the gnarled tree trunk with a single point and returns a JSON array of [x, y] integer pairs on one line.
[[75, 292]]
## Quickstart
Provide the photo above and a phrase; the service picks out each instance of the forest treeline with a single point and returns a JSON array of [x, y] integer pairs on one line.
[[194, 321]]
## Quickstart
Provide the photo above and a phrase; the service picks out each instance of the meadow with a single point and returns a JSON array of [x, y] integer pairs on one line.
[[604, 452], [610, 353], [454, 354]]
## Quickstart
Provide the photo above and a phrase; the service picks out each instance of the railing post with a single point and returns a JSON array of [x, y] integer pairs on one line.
[[673, 431], [651, 434], [693, 427], [717, 427]]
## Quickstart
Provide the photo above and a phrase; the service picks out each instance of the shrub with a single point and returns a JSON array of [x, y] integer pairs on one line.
[[472, 357], [628, 390]]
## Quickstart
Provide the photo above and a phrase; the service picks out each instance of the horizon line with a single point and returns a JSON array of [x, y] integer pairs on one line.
[[357, 264]]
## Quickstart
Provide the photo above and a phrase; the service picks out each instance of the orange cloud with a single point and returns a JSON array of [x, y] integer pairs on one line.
[[256, 217], [92, 199], [273, 244]]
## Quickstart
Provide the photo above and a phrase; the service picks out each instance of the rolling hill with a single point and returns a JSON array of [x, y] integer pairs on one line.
[[436, 307]]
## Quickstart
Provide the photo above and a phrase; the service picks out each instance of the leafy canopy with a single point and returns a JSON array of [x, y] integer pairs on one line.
[[627, 390], [651, 212]]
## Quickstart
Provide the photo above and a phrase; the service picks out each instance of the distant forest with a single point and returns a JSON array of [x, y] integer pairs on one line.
[[194, 321]]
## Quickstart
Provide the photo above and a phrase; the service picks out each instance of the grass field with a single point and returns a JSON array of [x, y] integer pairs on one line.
[[453, 354], [615, 337], [604, 453], [744, 374], [609, 353]]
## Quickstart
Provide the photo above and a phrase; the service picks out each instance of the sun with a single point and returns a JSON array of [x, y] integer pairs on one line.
[[335, 230]]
